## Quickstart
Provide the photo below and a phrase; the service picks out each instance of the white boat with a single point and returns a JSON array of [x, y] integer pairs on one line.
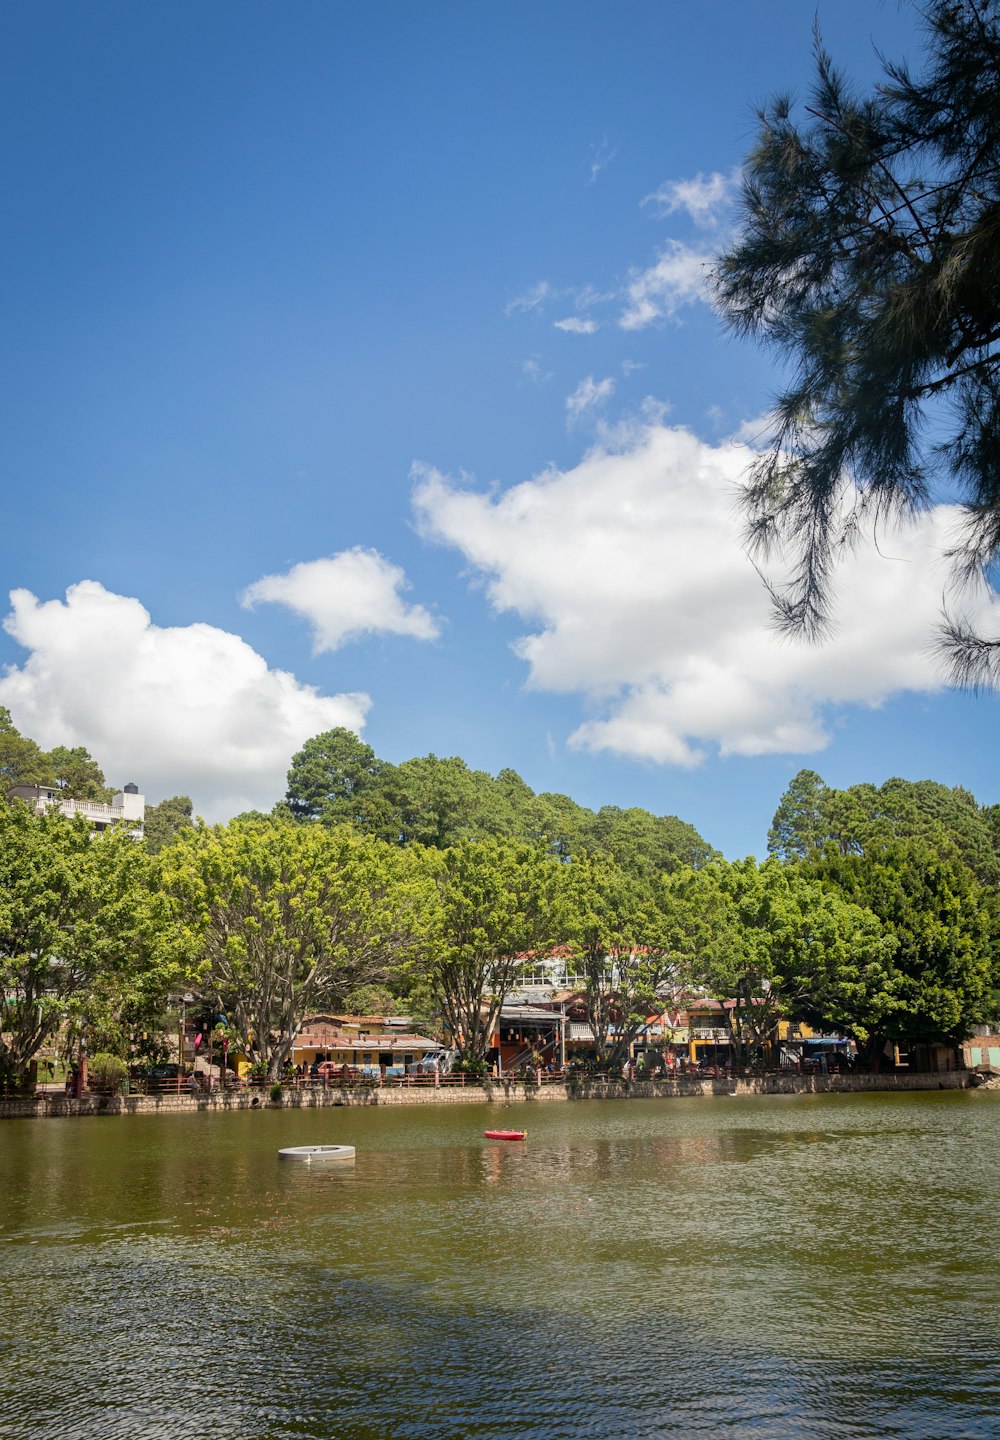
[[317, 1152]]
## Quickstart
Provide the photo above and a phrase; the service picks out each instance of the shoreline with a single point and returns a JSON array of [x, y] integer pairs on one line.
[[55, 1105]]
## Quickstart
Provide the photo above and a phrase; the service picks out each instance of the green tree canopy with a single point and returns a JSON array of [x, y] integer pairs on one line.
[[495, 904], [22, 762], [869, 257], [337, 779], [282, 919], [800, 823], [626, 953], [944, 927], [77, 774], [80, 932], [164, 821], [644, 844], [770, 942], [866, 818], [440, 802]]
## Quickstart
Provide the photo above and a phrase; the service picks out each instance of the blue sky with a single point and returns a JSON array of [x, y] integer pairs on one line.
[[357, 370]]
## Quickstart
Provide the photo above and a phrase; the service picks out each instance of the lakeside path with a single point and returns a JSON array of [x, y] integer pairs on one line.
[[56, 1105]]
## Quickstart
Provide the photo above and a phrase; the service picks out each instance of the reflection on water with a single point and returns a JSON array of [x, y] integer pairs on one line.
[[772, 1267]]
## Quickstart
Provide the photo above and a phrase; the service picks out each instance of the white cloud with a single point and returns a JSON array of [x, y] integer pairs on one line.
[[601, 157], [574, 325], [630, 573], [531, 299], [587, 395], [757, 431], [345, 596], [182, 710], [679, 277], [532, 371], [705, 198]]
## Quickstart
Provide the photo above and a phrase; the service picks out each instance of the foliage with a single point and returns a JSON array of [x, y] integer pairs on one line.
[[620, 944], [80, 933], [21, 760], [945, 933], [336, 779], [371, 1000], [495, 903], [865, 817], [163, 821], [440, 802], [768, 941], [800, 824], [77, 774], [284, 919], [644, 844], [467, 1065], [106, 1071], [869, 257]]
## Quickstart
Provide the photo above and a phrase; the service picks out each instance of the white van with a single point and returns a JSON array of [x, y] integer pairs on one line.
[[439, 1060]]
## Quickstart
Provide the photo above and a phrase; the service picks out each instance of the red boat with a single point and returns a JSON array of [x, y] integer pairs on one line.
[[505, 1134]]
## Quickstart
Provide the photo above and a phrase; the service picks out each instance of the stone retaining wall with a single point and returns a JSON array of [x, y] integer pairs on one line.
[[54, 1104], [765, 1085]]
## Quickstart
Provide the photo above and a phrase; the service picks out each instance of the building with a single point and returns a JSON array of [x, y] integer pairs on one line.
[[128, 807], [360, 1041]]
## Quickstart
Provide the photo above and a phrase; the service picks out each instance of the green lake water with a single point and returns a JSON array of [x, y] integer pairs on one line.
[[748, 1267]]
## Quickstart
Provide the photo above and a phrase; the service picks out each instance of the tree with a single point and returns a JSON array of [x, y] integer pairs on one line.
[[561, 824], [21, 760], [799, 825], [647, 845], [164, 821], [869, 257], [770, 942], [282, 919], [945, 933], [440, 802], [619, 943], [79, 930], [77, 774], [495, 904], [336, 779], [866, 818]]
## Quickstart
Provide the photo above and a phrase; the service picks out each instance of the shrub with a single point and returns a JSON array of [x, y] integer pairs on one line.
[[107, 1072], [469, 1066]]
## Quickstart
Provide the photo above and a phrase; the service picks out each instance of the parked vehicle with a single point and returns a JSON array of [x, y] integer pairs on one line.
[[440, 1061], [166, 1071]]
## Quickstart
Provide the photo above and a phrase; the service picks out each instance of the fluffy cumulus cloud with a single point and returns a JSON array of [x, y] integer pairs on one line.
[[182, 710], [630, 572], [357, 592]]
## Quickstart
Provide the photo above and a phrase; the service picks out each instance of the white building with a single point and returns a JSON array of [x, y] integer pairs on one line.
[[128, 806]]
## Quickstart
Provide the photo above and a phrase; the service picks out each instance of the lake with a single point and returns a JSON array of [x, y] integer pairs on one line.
[[779, 1266]]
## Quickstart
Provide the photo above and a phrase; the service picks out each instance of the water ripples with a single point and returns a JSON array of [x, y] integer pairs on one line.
[[742, 1269]]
